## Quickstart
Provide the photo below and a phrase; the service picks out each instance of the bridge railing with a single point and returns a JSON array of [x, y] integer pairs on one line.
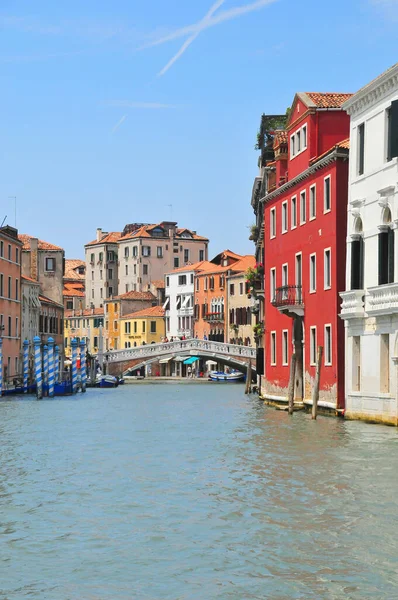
[[153, 350]]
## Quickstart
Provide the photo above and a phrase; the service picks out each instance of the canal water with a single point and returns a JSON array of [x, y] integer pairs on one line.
[[193, 492]]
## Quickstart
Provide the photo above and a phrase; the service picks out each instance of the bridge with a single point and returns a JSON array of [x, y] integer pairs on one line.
[[233, 355]]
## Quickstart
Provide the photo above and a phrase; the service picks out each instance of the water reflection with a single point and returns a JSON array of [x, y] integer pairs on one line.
[[193, 493]]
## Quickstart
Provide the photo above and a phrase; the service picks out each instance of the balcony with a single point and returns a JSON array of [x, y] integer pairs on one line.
[[382, 299], [214, 317], [289, 300], [185, 312], [352, 306]]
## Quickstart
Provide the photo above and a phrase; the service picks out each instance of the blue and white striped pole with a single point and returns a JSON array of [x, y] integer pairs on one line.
[[45, 369], [25, 366], [50, 367], [39, 381], [74, 365], [56, 364], [1, 366], [83, 369]]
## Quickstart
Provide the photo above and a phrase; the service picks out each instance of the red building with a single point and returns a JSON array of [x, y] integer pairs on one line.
[[305, 213]]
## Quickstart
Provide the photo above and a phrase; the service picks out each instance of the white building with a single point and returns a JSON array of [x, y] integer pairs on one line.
[[370, 304], [179, 304]]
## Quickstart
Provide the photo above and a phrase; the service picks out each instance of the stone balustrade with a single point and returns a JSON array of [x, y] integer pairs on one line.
[[352, 306], [382, 299]]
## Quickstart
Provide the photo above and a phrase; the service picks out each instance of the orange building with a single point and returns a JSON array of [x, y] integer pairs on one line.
[[10, 300], [211, 294]]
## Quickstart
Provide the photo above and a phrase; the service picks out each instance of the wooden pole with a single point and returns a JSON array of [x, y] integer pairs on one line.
[[315, 389], [248, 377], [290, 394]]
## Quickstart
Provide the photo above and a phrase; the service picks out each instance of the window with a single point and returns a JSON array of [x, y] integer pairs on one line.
[[182, 280], [327, 269], [127, 327], [298, 141], [126, 252], [272, 284], [392, 130], [135, 251], [1, 284], [284, 275], [273, 347], [176, 262], [284, 217], [145, 269], [285, 347], [356, 363], [357, 263], [328, 345], [304, 140], [313, 273], [197, 285], [92, 258], [110, 273], [50, 265], [17, 289], [386, 251], [9, 287], [153, 326], [143, 326], [292, 145], [299, 276], [17, 255], [326, 195], [135, 269], [101, 274], [9, 327], [191, 278], [69, 305], [361, 148], [167, 281], [92, 293], [9, 252], [201, 255], [135, 326], [232, 289], [241, 289], [126, 288], [101, 256], [92, 275], [293, 215], [1, 248], [273, 223], [126, 269], [303, 213], [101, 292], [312, 346], [312, 202], [186, 255], [159, 252], [146, 251]]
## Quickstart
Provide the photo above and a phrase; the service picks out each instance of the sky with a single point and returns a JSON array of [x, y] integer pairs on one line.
[[147, 110]]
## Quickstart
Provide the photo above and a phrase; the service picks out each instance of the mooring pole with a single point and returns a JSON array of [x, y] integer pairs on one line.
[[25, 365], [45, 369], [248, 377], [74, 365], [290, 393], [315, 390], [38, 367], [56, 364], [83, 368], [51, 367]]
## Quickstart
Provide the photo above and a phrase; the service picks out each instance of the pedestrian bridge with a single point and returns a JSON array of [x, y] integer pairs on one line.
[[229, 354]]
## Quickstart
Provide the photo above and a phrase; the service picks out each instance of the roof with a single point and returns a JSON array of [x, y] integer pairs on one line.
[[153, 311], [158, 283], [30, 280], [47, 300], [70, 265], [108, 238], [192, 267], [327, 99], [376, 83], [86, 312], [133, 295], [242, 265], [42, 245], [145, 232], [70, 291], [343, 145], [280, 137]]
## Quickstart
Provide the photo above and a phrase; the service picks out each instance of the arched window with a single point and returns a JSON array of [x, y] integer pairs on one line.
[[386, 249], [357, 256]]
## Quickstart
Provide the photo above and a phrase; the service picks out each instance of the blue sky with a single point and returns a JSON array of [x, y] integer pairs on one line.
[[99, 128]]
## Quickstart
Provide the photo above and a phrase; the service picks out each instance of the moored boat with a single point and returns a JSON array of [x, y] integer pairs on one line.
[[107, 381], [230, 376]]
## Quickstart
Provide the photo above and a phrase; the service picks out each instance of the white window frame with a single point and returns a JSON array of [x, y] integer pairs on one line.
[[312, 279], [273, 348], [327, 363], [272, 280], [313, 346], [293, 212], [285, 347], [327, 210], [272, 223], [293, 145], [303, 194], [297, 145], [284, 217], [285, 269], [312, 202], [325, 253], [304, 135]]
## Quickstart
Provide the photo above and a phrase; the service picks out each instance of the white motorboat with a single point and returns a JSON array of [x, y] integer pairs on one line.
[[229, 376]]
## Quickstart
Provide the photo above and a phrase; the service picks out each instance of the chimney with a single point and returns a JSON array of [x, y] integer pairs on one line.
[[99, 234], [34, 262]]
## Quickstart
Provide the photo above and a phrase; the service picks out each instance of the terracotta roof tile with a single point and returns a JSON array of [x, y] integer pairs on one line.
[[158, 283], [110, 238], [145, 232], [30, 279], [344, 145], [73, 292], [133, 295], [25, 239], [154, 311], [328, 99], [87, 312], [47, 300], [70, 265], [193, 267], [280, 137]]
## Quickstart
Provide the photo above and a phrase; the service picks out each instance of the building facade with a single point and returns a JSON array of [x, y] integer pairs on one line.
[[87, 325], [142, 327], [304, 246], [240, 315], [30, 292], [44, 262], [179, 303], [120, 306], [74, 284], [10, 301], [101, 268], [370, 303]]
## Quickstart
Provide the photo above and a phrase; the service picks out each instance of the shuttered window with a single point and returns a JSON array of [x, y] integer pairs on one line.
[[392, 130], [386, 257], [357, 262]]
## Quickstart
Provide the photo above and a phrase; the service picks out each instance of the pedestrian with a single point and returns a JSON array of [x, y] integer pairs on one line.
[[205, 337], [189, 371]]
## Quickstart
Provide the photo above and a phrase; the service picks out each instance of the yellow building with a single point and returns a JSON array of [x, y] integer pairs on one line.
[[117, 307], [84, 324], [143, 327]]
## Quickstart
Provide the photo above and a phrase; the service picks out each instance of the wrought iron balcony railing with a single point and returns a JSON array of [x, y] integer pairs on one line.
[[214, 316]]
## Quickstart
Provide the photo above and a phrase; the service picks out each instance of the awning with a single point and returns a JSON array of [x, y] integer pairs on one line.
[[164, 360], [179, 358], [166, 303], [210, 362], [191, 360]]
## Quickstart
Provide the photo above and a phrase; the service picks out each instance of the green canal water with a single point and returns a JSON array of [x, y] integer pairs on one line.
[[193, 492]]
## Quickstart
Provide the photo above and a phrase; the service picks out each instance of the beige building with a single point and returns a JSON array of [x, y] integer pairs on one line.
[[101, 268], [44, 263], [74, 284], [30, 292], [240, 319]]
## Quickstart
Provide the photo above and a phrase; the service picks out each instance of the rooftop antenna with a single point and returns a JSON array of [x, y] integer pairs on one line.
[[3, 221], [15, 209]]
